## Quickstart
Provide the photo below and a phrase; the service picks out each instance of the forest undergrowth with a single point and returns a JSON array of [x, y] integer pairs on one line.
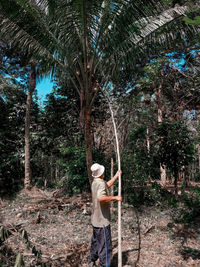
[[41, 228]]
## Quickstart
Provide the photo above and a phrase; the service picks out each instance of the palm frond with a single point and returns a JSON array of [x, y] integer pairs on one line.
[[93, 38], [153, 35]]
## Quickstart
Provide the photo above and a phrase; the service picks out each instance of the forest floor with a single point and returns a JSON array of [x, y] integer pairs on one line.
[[57, 231]]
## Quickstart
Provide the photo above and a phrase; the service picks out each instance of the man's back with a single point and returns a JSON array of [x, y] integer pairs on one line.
[[101, 212]]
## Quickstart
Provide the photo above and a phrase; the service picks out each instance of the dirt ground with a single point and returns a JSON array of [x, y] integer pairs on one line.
[[56, 231]]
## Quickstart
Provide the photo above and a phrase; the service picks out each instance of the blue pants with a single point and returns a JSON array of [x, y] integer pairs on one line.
[[101, 246]]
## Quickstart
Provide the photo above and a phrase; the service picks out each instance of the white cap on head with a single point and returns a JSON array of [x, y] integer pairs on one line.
[[97, 170]]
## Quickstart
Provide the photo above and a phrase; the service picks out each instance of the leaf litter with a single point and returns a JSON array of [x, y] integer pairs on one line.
[[61, 236]]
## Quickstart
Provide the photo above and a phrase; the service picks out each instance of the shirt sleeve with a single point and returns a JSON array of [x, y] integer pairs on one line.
[[101, 191]]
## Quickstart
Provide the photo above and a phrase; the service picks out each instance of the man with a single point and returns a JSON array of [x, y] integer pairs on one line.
[[101, 243]]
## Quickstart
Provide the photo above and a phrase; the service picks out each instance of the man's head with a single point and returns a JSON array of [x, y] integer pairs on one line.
[[97, 170]]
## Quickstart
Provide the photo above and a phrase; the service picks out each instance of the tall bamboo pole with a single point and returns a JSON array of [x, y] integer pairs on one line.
[[119, 183], [111, 176]]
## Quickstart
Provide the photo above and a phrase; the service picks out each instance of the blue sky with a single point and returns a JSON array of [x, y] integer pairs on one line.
[[44, 87]]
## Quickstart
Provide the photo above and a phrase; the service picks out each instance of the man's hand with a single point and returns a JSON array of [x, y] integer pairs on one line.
[[111, 182], [119, 198], [118, 173]]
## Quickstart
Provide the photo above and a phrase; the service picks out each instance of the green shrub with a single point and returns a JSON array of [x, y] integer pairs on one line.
[[191, 208]]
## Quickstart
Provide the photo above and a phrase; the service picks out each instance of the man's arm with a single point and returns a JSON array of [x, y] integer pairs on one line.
[[111, 182], [105, 199]]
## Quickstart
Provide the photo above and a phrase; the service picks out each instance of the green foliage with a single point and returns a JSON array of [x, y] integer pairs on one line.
[[12, 139], [190, 211], [151, 195], [74, 161], [152, 72], [75, 179], [195, 21], [52, 143], [196, 176], [57, 150], [175, 146], [57, 144], [138, 164], [12, 117]]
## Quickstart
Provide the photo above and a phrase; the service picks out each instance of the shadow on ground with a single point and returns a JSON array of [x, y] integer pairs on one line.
[[188, 252], [7, 256], [124, 258]]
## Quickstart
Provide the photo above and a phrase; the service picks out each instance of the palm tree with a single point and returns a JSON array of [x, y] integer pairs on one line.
[[32, 85], [92, 40], [26, 61]]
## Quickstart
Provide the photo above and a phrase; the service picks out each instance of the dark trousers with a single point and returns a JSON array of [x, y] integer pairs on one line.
[[101, 246]]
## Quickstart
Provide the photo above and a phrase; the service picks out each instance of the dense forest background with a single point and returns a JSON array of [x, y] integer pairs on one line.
[[158, 125], [153, 89]]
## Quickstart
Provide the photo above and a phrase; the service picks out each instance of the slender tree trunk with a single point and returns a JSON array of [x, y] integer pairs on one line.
[[176, 180], [198, 149], [160, 119], [148, 141], [57, 170], [163, 175], [148, 151], [186, 176], [27, 180]]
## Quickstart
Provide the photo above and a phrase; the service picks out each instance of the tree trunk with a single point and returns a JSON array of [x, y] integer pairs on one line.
[[176, 180], [163, 176], [186, 176], [27, 180], [198, 149], [148, 151], [88, 141], [160, 119], [85, 123]]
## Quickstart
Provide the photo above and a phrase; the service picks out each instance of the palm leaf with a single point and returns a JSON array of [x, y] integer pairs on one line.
[[106, 35]]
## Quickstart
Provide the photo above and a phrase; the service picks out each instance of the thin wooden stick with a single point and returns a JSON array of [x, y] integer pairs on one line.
[[112, 175], [119, 183]]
